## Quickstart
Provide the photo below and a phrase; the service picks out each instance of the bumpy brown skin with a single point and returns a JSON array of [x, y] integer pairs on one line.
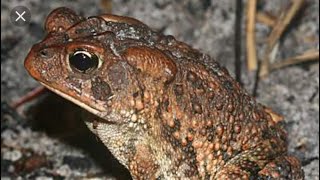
[[165, 110]]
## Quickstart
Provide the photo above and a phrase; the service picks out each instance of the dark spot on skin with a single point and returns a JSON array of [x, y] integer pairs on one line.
[[219, 106], [117, 75], [158, 111], [108, 38], [230, 108], [226, 157], [136, 94], [178, 89], [166, 104], [100, 89], [168, 135], [250, 166], [93, 31], [197, 108], [268, 133], [84, 30], [207, 176], [190, 154], [66, 38], [210, 137], [191, 130], [237, 128], [161, 177], [195, 81], [192, 77], [203, 131], [219, 130], [211, 95], [177, 124], [273, 145], [228, 85], [79, 31]]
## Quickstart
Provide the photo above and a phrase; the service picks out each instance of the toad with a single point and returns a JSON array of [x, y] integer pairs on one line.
[[164, 109]]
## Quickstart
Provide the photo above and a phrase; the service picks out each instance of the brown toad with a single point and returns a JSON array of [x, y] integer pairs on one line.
[[164, 109]]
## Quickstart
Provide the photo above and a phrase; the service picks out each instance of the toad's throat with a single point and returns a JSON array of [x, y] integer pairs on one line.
[[94, 110]]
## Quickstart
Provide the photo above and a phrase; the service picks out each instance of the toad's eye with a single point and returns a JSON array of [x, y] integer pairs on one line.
[[83, 61]]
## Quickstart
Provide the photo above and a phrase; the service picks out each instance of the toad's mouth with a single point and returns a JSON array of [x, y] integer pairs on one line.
[[98, 110]]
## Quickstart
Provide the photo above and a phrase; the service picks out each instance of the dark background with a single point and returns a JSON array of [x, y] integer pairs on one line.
[[40, 140]]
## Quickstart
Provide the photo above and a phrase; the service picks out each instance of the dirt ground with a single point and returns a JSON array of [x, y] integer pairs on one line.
[[37, 143]]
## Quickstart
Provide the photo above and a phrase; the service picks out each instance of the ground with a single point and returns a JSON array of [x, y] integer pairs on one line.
[[39, 140]]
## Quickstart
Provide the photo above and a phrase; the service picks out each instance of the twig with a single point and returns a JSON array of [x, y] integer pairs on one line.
[[29, 96], [107, 5], [266, 19], [237, 41], [256, 81], [251, 39], [310, 55], [281, 25], [283, 22]]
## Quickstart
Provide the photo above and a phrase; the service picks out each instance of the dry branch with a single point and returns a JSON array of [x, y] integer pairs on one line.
[[266, 19], [310, 55], [251, 39], [281, 25]]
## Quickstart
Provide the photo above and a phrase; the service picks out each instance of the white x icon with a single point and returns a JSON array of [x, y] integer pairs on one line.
[[20, 16]]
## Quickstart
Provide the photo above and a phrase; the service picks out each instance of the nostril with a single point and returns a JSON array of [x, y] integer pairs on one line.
[[45, 53]]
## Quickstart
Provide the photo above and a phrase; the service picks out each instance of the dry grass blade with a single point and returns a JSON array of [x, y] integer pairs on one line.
[[266, 19], [310, 55], [251, 39], [29, 96], [275, 116], [283, 22], [281, 25], [107, 5]]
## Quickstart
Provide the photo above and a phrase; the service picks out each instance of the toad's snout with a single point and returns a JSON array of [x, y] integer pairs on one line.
[[29, 63]]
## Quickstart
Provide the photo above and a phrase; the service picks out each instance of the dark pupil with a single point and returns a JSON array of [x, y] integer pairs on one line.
[[82, 62]]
